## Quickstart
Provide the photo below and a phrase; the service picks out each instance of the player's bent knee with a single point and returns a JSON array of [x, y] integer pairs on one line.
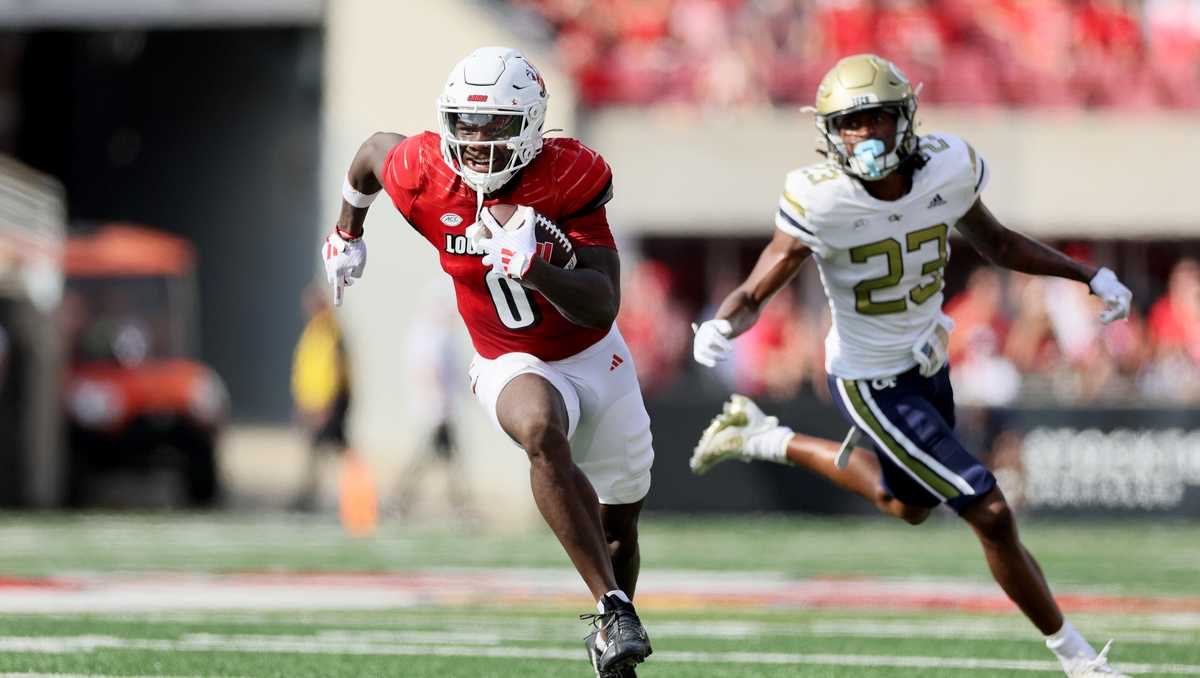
[[993, 519], [915, 515], [622, 545], [621, 538], [622, 549], [543, 439]]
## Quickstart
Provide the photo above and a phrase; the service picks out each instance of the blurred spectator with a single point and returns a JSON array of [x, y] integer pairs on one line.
[[1073, 321], [1030, 342], [320, 389], [1095, 53], [847, 26], [434, 370], [978, 313], [1127, 345], [914, 34], [1174, 329], [771, 356], [654, 326], [1175, 318], [1057, 339], [1173, 32], [982, 375], [1109, 55]]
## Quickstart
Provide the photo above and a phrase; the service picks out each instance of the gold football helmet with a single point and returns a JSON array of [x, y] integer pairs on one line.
[[861, 82]]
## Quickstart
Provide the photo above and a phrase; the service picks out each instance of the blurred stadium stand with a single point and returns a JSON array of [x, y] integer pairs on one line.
[[1050, 53]]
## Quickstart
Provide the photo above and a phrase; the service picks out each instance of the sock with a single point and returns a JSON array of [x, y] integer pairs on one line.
[[769, 445], [1069, 645], [615, 593]]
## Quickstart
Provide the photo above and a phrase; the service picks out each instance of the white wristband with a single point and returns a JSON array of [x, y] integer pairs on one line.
[[354, 197]]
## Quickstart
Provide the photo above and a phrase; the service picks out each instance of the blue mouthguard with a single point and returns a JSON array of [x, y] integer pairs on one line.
[[867, 151]]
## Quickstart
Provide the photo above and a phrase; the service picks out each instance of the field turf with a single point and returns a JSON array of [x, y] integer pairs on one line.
[[278, 595]]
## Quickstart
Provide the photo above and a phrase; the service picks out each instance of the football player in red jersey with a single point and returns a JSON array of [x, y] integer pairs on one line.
[[550, 367]]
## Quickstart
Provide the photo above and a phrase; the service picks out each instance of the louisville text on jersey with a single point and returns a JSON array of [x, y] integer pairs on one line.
[[461, 244]]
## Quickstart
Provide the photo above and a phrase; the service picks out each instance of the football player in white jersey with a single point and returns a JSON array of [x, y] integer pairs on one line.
[[876, 216]]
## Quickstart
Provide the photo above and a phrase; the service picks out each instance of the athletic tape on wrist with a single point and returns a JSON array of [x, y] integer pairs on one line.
[[356, 198]]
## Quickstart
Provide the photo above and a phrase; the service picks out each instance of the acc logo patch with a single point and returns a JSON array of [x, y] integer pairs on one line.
[[451, 219]]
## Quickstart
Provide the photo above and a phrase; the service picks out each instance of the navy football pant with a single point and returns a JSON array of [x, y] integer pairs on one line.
[[910, 420]]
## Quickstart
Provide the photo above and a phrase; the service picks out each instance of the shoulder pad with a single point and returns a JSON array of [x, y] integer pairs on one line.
[[814, 190], [809, 199], [583, 178], [404, 162], [954, 161]]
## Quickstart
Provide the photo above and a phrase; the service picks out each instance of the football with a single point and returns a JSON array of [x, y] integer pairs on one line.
[[553, 246]]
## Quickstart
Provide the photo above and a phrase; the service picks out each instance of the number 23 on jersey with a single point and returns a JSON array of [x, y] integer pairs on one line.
[[893, 251]]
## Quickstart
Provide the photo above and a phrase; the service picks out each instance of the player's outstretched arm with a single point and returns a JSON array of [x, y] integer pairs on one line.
[[1018, 252], [776, 266], [588, 295], [1010, 249], [344, 252], [366, 177]]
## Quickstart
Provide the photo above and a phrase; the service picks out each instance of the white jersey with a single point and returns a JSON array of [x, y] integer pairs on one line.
[[881, 261]]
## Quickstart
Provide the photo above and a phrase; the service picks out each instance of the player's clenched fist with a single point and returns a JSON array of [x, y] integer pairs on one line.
[[509, 250], [1116, 296], [712, 343], [345, 257]]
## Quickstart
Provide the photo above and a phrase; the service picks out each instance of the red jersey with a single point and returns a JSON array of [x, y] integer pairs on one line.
[[567, 182]]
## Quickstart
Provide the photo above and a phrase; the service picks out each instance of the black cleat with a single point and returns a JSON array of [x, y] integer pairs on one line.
[[619, 642], [594, 657]]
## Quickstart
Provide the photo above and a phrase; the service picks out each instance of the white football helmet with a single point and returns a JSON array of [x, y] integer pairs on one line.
[[493, 84]]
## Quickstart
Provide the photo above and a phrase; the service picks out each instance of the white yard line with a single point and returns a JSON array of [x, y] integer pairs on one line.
[[258, 644], [410, 628]]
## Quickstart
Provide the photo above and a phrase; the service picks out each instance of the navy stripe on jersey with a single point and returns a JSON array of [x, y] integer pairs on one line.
[[793, 222], [982, 174]]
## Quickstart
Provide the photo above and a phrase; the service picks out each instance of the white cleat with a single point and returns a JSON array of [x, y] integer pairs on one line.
[[725, 438], [1095, 668]]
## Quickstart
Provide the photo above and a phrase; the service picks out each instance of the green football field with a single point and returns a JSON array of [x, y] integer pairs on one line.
[[278, 595]]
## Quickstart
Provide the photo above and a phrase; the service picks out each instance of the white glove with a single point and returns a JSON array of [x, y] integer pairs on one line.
[[712, 344], [475, 233], [932, 348], [509, 252], [344, 261], [1116, 297]]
